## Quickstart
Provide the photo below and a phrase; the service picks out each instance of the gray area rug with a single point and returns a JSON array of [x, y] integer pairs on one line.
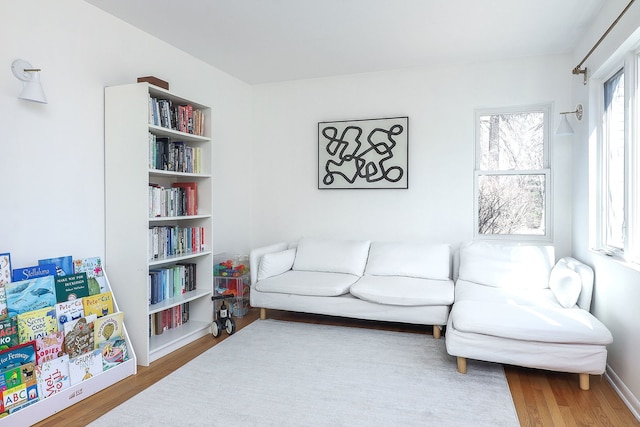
[[278, 373]]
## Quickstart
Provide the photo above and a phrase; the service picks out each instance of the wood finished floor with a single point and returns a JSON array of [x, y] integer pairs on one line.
[[541, 398]]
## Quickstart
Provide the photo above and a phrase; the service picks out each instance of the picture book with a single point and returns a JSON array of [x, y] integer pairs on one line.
[[107, 327], [71, 286], [29, 295], [64, 264], [18, 355], [100, 304], [114, 351], [78, 336], [49, 347], [33, 272], [95, 275], [53, 376], [36, 324], [8, 332], [5, 277], [85, 366], [20, 387], [69, 310]]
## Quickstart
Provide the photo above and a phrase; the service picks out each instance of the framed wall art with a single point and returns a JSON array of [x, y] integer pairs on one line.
[[364, 154]]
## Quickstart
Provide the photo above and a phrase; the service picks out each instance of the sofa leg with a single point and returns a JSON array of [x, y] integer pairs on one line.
[[263, 313], [584, 381], [436, 332], [462, 365]]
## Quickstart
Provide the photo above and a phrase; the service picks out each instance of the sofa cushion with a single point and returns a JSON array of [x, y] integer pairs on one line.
[[565, 284], [312, 283], [469, 291], [422, 260], [335, 256], [506, 265], [529, 323], [407, 291], [276, 263]]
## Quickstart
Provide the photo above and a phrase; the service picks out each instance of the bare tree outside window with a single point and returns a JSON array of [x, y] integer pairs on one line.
[[511, 176]]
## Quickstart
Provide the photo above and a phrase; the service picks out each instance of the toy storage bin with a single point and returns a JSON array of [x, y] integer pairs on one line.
[[231, 275]]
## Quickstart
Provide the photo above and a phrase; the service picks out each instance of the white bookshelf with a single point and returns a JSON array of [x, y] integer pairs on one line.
[[127, 176]]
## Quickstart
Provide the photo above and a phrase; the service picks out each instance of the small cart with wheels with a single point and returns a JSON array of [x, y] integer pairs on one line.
[[222, 317]]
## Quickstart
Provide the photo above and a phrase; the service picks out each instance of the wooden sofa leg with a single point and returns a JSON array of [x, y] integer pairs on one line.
[[584, 381], [462, 365], [436, 332], [263, 313]]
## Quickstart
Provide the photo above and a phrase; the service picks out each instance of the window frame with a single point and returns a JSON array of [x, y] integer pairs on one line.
[[545, 170]]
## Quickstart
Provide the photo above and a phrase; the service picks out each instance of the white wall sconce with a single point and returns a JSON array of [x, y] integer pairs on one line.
[[30, 78], [565, 127]]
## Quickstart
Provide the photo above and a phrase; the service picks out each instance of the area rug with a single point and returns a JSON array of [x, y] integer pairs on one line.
[[279, 373]]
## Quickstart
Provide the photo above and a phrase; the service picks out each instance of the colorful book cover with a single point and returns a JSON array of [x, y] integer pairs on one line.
[[29, 295], [53, 376], [71, 286], [108, 327], [69, 310], [20, 387], [85, 366], [33, 272], [5, 277], [64, 264], [49, 347], [114, 351], [100, 305], [18, 355], [8, 333], [78, 336], [95, 274], [36, 324]]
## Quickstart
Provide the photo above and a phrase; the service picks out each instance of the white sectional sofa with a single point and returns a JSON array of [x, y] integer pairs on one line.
[[515, 305], [388, 281]]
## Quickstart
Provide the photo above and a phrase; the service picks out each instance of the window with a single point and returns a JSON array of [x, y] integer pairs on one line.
[[512, 176]]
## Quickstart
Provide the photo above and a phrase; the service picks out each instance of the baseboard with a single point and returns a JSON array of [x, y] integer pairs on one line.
[[623, 391]]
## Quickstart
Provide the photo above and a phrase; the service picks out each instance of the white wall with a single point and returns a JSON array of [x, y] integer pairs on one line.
[[52, 155], [617, 288], [440, 103]]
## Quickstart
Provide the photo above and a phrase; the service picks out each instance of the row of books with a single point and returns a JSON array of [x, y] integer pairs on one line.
[[169, 282], [178, 200], [180, 117], [166, 241], [174, 156], [168, 319]]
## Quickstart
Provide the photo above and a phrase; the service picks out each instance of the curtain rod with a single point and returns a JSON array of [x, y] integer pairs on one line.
[[577, 70]]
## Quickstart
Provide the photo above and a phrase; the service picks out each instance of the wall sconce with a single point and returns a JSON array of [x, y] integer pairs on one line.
[[565, 127], [30, 78]]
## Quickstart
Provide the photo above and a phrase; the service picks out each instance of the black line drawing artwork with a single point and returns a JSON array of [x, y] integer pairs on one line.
[[361, 154]]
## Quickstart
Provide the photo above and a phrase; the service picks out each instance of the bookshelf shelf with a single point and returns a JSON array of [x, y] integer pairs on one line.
[[134, 145]]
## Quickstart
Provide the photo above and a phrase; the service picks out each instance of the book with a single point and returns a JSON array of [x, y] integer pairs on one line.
[[53, 376], [19, 387], [64, 264], [36, 324], [31, 294], [5, 277], [78, 336], [191, 190], [71, 286], [108, 327], [114, 351], [85, 366], [8, 332], [18, 355], [33, 272], [69, 310], [100, 304], [95, 274], [49, 347]]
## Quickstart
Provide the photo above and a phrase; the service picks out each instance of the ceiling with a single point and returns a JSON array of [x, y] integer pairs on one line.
[[260, 41]]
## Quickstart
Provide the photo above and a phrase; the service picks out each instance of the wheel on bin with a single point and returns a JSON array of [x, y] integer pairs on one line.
[[216, 328], [230, 325]]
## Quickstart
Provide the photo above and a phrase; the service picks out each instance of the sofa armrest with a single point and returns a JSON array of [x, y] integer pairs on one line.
[[586, 277], [255, 255]]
